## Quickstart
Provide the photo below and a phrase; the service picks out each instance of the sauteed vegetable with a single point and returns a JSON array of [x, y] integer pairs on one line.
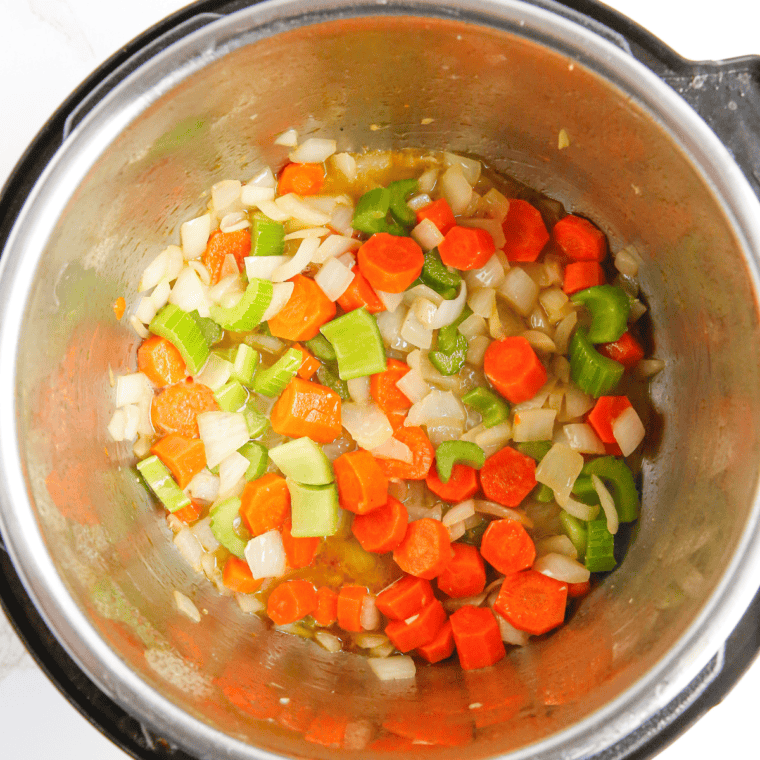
[[392, 402]]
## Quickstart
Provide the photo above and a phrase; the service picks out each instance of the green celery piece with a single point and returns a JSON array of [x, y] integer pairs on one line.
[[272, 381], [617, 476], [371, 210], [163, 485], [400, 191], [329, 378], [244, 360], [358, 344], [321, 348], [438, 277], [450, 352], [450, 453], [584, 491], [593, 373], [314, 510], [267, 235], [543, 493], [600, 546], [609, 306], [258, 456], [492, 407], [182, 331], [223, 516], [231, 397], [210, 329], [576, 530], [534, 449], [303, 461], [256, 421], [248, 311]]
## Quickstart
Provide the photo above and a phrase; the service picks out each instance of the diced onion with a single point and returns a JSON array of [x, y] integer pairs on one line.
[[346, 165], [494, 438], [498, 510], [194, 236], [564, 331], [296, 208], [424, 311], [577, 403], [394, 449], [249, 603], [539, 399], [221, 433], [318, 232], [234, 221], [358, 389], [456, 189], [265, 555], [204, 486], [476, 350], [628, 430], [534, 425], [370, 640], [427, 235], [389, 323], [139, 327], [449, 311], [261, 267], [495, 205], [253, 195], [456, 531], [391, 301], [472, 326], [132, 388], [519, 290], [416, 202], [578, 509], [117, 424], [231, 472], [166, 266], [189, 293], [366, 424], [314, 150], [627, 261], [540, 341], [333, 246], [202, 531], [561, 568], [471, 167], [554, 300], [510, 634], [490, 275], [186, 606], [274, 212], [558, 545], [189, 547], [298, 262], [232, 283], [328, 641], [459, 513], [559, 470], [581, 437], [608, 504], [414, 332], [482, 301], [342, 217], [215, 373], [427, 180], [281, 293], [413, 386], [334, 278], [225, 194], [435, 405], [398, 668], [288, 138]]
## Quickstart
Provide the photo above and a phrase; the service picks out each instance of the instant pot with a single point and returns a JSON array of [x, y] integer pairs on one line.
[[663, 154]]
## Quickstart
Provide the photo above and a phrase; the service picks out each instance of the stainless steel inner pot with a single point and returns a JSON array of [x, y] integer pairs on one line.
[[497, 80]]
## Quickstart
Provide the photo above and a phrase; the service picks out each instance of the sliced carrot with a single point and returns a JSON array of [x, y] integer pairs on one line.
[[465, 575], [580, 275], [406, 597], [222, 244], [307, 409], [237, 576], [423, 454], [265, 504], [577, 590], [119, 306], [477, 637], [524, 231], [301, 179], [360, 293], [161, 361], [417, 630], [514, 369], [440, 214], [350, 600], [299, 550], [385, 392], [382, 529], [508, 476], [532, 602], [190, 513], [309, 365], [580, 240], [291, 601], [462, 484], [389, 262], [327, 729], [425, 550], [602, 417], [507, 546], [440, 647], [396, 419], [185, 457], [362, 485], [466, 247], [176, 408], [326, 612], [626, 350], [307, 309]]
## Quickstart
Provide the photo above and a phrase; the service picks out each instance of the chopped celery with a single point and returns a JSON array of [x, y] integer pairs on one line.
[[329, 378], [576, 530], [591, 372], [321, 348], [492, 407], [600, 545], [371, 210], [248, 311], [231, 397], [357, 343], [314, 510], [618, 478], [609, 306], [258, 456], [182, 331], [438, 277], [210, 329], [244, 360], [534, 449], [272, 381], [256, 421], [267, 235], [450, 453], [584, 491], [224, 515], [303, 461], [400, 191], [543, 493], [161, 482]]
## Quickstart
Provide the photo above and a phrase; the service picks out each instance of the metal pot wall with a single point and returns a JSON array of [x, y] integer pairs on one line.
[[498, 80]]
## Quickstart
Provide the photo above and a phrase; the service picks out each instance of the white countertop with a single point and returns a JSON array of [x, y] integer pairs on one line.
[[49, 47]]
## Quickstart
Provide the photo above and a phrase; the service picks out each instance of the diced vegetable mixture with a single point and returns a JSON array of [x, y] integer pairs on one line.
[[392, 402]]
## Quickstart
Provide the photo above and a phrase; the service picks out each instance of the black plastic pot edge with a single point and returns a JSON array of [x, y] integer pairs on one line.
[[726, 94]]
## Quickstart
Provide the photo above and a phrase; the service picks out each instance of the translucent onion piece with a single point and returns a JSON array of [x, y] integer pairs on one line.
[[342, 217], [556, 545], [215, 373], [394, 449], [414, 332], [370, 640], [564, 331], [366, 424], [423, 310], [262, 267], [358, 389], [456, 189], [422, 291], [265, 555], [494, 438], [554, 301], [225, 194], [231, 472], [230, 283], [314, 150], [194, 236], [296, 208], [221, 433], [581, 437], [166, 266], [346, 165], [561, 568], [459, 513], [608, 504], [476, 350], [298, 262], [578, 509], [391, 301], [559, 470], [491, 226], [201, 270], [627, 261], [416, 202], [334, 278], [647, 368], [413, 386], [482, 301], [427, 180], [494, 205], [471, 167], [189, 293], [274, 212], [252, 196], [397, 668], [540, 341], [186, 606], [249, 603], [449, 311], [437, 404], [288, 138], [490, 275], [281, 292], [132, 388], [427, 235], [334, 246], [389, 323], [369, 616], [456, 531], [519, 290], [328, 641], [234, 221], [534, 425], [539, 399], [189, 547], [265, 178], [202, 531], [577, 403], [485, 507], [117, 424], [472, 326], [510, 634], [318, 232], [628, 430], [139, 327]]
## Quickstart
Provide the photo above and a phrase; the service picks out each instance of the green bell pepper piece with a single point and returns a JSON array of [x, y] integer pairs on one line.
[[400, 191], [438, 277]]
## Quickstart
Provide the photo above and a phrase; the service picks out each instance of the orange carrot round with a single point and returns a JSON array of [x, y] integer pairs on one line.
[[350, 600], [326, 612], [307, 309], [237, 576], [465, 575], [406, 597], [291, 601], [389, 262], [220, 244], [418, 630], [301, 179], [185, 457], [440, 214], [265, 504], [514, 369], [383, 388], [579, 239], [423, 454], [382, 529], [300, 550], [462, 485], [507, 546], [477, 637], [307, 409], [508, 476], [160, 361], [524, 231], [580, 275], [362, 485], [360, 293], [466, 248], [440, 647], [532, 602], [425, 550], [176, 408]]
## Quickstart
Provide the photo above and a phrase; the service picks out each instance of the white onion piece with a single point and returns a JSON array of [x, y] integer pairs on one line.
[[413, 386], [494, 204], [389, 323], [494, 438], [559, 470], [314, 150], [485, 507], [230, 283], [194, 236], [204, 486], [476, 350], [318, 232], [470, 167], [608, 504], [578, 509], [201, 270], [146, 310], [333, 246], [189, 547], [296, 208], [577, 403], [215, 372], [139, 327], [342, 218], [397, 668], [366, 424], [561, 568], [132, 388], [539, 399], [510, 634], [437, 404], [166, 266], [449, 311], [221, 433], [394, 449], [234, 221], [628, 430], [627, 261], [265, 178], [581, 437], [131, 421], [456, 189], [540, 341], [391, 301], [186, 606], [334, 278], [563, 332], [414, 332], [281, 293], [252, 195], [346, 165], [422, 291], [534, 425], [490, 275], [556, 545], [519, 290], [555, 303], [328, 641], [427, 235], [647, 368], [160, 294], [358, 389], [491, 226], [472, 326], [482, 301], [225, 193], [249, 603], [274, 212], [189, 293], [370, 640], [423, 310], [456, 531], [426, 181], [288, 138], [459, 513], [265, 555], [261, 267], [231, 471], [117, 424], [369, 617], [298, 262]]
